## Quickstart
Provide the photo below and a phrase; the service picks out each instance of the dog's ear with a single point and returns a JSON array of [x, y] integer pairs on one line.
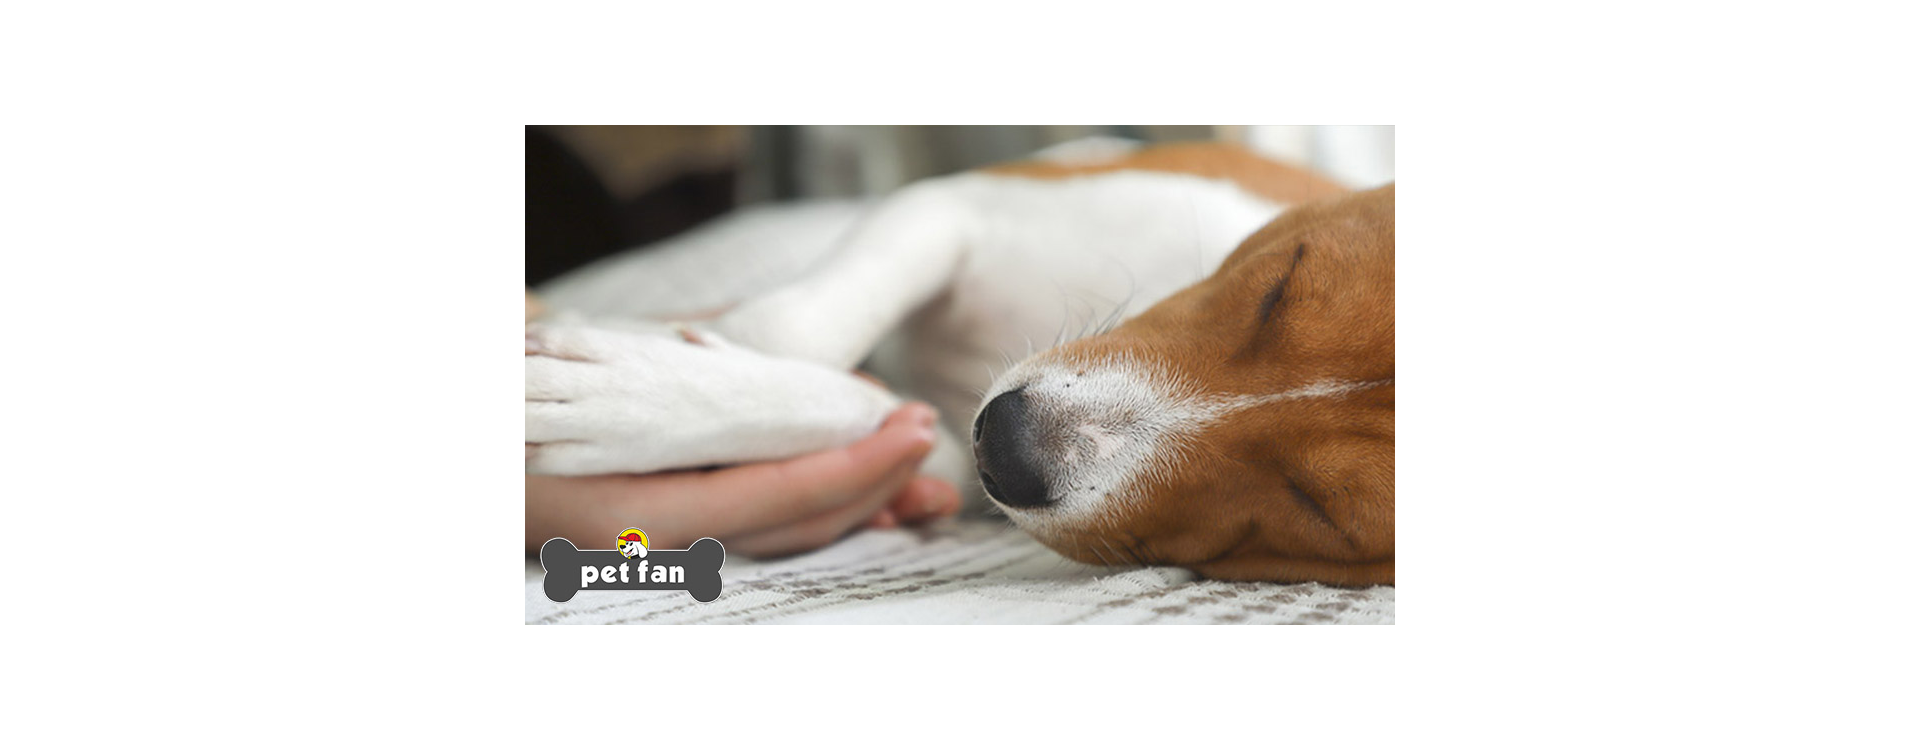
[[533, 307]]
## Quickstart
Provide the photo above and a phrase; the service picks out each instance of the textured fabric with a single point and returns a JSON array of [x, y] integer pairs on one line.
[[972, 571]]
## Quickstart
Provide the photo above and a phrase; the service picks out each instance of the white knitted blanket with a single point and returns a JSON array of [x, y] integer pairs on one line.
[[960, 571]]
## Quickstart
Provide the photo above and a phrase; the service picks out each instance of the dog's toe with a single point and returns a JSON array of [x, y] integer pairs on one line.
[[574, 342]]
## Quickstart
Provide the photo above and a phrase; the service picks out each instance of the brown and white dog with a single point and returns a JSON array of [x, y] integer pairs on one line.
[[1241, 426]]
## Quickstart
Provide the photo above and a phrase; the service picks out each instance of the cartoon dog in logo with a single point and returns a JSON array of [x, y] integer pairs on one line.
[[632, 543]]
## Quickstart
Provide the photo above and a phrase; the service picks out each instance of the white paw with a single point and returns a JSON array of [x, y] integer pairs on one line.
[[603, 401], [594, 395]]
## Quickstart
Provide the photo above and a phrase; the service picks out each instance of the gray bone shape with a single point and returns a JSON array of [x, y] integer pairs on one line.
[[701, 561]]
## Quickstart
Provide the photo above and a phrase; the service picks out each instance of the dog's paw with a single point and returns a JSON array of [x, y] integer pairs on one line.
[[603, 401]]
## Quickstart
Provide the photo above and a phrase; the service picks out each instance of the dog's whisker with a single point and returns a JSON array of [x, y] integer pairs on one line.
[[1066, 313]]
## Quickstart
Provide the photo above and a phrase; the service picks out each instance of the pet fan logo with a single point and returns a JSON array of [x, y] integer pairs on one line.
[[632, 566]]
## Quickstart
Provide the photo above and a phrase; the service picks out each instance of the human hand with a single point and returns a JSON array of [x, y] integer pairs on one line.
[[762, 509]]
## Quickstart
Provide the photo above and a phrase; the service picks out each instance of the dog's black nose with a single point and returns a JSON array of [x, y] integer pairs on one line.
[[1006, 446]]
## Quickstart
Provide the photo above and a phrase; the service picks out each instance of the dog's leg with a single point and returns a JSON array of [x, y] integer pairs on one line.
[[605, 401], [708, 269], [895, 259]]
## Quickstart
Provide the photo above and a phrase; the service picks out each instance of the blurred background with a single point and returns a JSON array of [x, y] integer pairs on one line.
[[593, 190]]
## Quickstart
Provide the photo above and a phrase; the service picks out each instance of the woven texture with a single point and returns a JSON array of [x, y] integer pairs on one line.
[[972, 571]]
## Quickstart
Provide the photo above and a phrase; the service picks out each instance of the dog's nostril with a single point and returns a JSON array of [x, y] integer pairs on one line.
[[1006, 446], [987, 483]]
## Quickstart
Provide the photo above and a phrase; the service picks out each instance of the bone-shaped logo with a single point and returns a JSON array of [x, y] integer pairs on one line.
[[695, 569]]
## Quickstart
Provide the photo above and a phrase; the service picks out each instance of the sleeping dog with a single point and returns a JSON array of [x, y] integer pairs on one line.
[[1240, 426]]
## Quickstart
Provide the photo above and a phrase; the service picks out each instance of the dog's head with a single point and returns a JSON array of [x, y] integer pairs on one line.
[[1242, 428]]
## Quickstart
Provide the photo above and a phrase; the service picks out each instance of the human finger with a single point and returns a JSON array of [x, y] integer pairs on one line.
[[924, 499], [827, 527], [771, 494]]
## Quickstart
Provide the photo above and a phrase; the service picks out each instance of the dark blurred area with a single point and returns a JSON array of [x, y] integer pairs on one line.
[[594, 190]]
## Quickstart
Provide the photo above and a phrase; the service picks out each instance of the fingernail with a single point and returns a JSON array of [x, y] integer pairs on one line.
[[934, 504], [924, 415]]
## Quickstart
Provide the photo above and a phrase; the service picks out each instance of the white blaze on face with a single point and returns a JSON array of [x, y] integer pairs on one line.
[[1120, 421], [633, 549]]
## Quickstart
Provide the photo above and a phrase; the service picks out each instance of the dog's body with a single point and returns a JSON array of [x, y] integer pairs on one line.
[[936, 287]]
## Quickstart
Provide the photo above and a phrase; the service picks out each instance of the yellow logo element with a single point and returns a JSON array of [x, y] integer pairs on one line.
[[631, 543]]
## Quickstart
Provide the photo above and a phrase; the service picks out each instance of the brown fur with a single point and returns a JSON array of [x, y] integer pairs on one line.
[[1297, 490]]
